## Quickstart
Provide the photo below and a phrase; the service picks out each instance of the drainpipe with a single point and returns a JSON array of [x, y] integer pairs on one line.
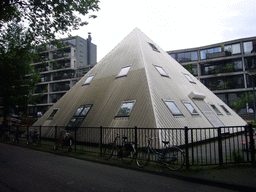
[[89, 40]]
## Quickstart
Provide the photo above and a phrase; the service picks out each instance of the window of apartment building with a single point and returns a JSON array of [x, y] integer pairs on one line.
[[204, 52], [250, 63], [124, 71], [63, 75], [41, 88], [225, 109], [230, 98], [88, 80], [125, 109], [173, 108], [224, 82], [233, 48], [187, 56], [153, 47], [81, 43], [63, 86], [217, 111], [45, 78], [79, 116], [42, 100], [161, 71], [62, 53], [249, 47], [42, 67], [192, 68], [191, 109], [225, 66], [55, 97], [53, 113], [68, 41], [189, 78], [60, 64], [81, 54]]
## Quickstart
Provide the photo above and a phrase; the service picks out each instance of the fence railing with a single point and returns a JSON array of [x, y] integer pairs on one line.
[[202, 146]]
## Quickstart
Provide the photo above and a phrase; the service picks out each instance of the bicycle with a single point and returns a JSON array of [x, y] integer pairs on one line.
[[172, 157], [64, 140], [126, 151], [33, 137], [16, 135]]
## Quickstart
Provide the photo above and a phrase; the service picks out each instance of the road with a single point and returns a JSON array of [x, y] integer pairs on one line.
[[23, 169]]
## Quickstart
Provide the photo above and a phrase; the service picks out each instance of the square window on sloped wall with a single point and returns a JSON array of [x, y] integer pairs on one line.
[[125, 109], [79, 116], [191, 109], [53, 113], [161, 71], [189, 78], [124, 71], [217, 111], [88, 80], [174, 109]]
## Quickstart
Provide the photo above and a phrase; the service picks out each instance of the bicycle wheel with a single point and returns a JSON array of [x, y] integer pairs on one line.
[[107, 152], [173, 158], [128, 154], [142, 157]]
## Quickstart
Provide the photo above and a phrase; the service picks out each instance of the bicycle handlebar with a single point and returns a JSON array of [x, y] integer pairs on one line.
[[151, 138]]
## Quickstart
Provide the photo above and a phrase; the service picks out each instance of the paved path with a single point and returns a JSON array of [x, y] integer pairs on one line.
[[22, 169]]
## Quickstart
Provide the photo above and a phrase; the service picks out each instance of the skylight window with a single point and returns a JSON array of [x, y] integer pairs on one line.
[[161, 71], [79, 116], [53, 113], [224, 108], [124, 71], [217, 111], [189, 78], [173, 108], [191, 109], [125, 109], [88, 80], [154, 47]]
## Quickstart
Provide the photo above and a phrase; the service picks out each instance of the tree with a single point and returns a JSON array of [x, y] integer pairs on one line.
[[46, 18], [241, 101], [24, 25], [15, 56]]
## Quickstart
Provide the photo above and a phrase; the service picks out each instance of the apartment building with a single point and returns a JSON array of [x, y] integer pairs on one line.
[[223, 67], [61, 68]]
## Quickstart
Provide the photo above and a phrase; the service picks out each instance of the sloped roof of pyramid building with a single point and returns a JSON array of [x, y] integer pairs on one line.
[[139, 84]]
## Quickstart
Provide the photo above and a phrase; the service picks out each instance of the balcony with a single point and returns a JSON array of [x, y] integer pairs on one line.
[[218, 54]]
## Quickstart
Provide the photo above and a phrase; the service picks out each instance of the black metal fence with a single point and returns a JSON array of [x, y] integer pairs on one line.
[[202, 146]]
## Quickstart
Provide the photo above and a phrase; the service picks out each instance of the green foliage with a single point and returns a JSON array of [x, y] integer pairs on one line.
[[241, 101], [45, 18], [16, 54], [189, 67], [24, 25], [237, 157]]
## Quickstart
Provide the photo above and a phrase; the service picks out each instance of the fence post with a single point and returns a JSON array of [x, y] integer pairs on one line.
[[55, 133], [40, 127], [136, 139], [75, 137], [252, 149], [100, 140], [186, 147], [27, 132], [220, 147]]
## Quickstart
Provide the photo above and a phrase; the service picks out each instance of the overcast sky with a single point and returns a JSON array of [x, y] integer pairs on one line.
[[171, 24]]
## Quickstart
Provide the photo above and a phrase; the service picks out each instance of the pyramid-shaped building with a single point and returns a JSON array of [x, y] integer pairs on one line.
[[139, 84]]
